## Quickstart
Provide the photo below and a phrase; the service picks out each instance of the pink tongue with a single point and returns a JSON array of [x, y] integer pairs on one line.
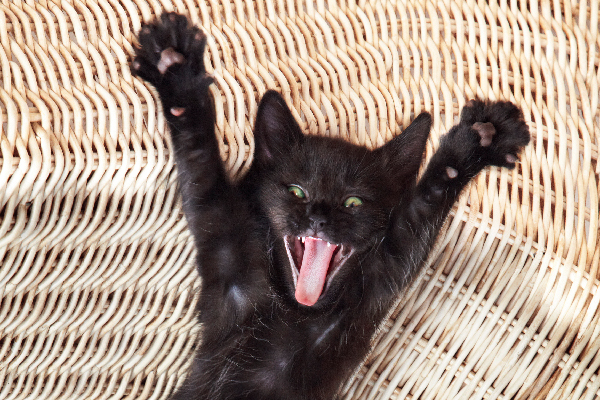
[[315, 263]]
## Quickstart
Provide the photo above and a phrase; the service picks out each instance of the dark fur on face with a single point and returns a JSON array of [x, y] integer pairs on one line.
[[301, 260], [329, 171]]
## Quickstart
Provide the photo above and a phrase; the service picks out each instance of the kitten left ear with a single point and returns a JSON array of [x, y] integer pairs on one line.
[[276, 130], [404, 153]]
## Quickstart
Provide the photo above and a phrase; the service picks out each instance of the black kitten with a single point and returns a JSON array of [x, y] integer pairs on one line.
[[301, 260]]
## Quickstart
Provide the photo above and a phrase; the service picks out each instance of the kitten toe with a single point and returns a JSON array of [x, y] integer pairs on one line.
[[140, 66], [472, 112]]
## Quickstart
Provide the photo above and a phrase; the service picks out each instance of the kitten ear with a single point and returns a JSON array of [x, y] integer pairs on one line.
[[403, 154], [276, 130]]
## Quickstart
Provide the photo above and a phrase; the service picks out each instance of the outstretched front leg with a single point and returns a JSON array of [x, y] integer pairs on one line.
[[487, 134], [170, 57]]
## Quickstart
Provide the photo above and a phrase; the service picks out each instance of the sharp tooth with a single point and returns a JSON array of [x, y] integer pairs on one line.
[[303, 239], [328, 244]]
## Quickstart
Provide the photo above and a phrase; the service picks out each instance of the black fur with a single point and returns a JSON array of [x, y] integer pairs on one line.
[[258, 342]]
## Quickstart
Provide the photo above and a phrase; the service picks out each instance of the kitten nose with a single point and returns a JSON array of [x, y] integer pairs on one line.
[[317, 222]]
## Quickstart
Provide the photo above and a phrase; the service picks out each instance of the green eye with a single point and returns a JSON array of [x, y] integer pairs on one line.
[[296, 191], [352, 202]]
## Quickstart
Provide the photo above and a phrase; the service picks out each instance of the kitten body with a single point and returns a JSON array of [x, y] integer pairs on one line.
[[302, 259]]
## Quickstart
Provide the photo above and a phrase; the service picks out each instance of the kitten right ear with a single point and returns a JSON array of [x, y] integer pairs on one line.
[[276, 130], [403, 155]]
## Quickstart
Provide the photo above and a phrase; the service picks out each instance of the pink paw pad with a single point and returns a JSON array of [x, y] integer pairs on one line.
[[169, 57], [486, 131], [451, 172], [177, 111]]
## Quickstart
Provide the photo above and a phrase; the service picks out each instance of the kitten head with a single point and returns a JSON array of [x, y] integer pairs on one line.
[[328, 201]]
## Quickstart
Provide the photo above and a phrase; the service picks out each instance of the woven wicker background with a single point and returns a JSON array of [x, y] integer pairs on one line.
[[97, 284]]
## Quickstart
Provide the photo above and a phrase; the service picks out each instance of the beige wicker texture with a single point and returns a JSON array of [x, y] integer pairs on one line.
[[97, 282]]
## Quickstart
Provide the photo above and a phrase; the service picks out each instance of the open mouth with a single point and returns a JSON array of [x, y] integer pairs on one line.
[[314, 264]]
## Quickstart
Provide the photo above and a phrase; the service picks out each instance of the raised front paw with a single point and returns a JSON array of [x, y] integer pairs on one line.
[[170, 56], [497, 132]]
